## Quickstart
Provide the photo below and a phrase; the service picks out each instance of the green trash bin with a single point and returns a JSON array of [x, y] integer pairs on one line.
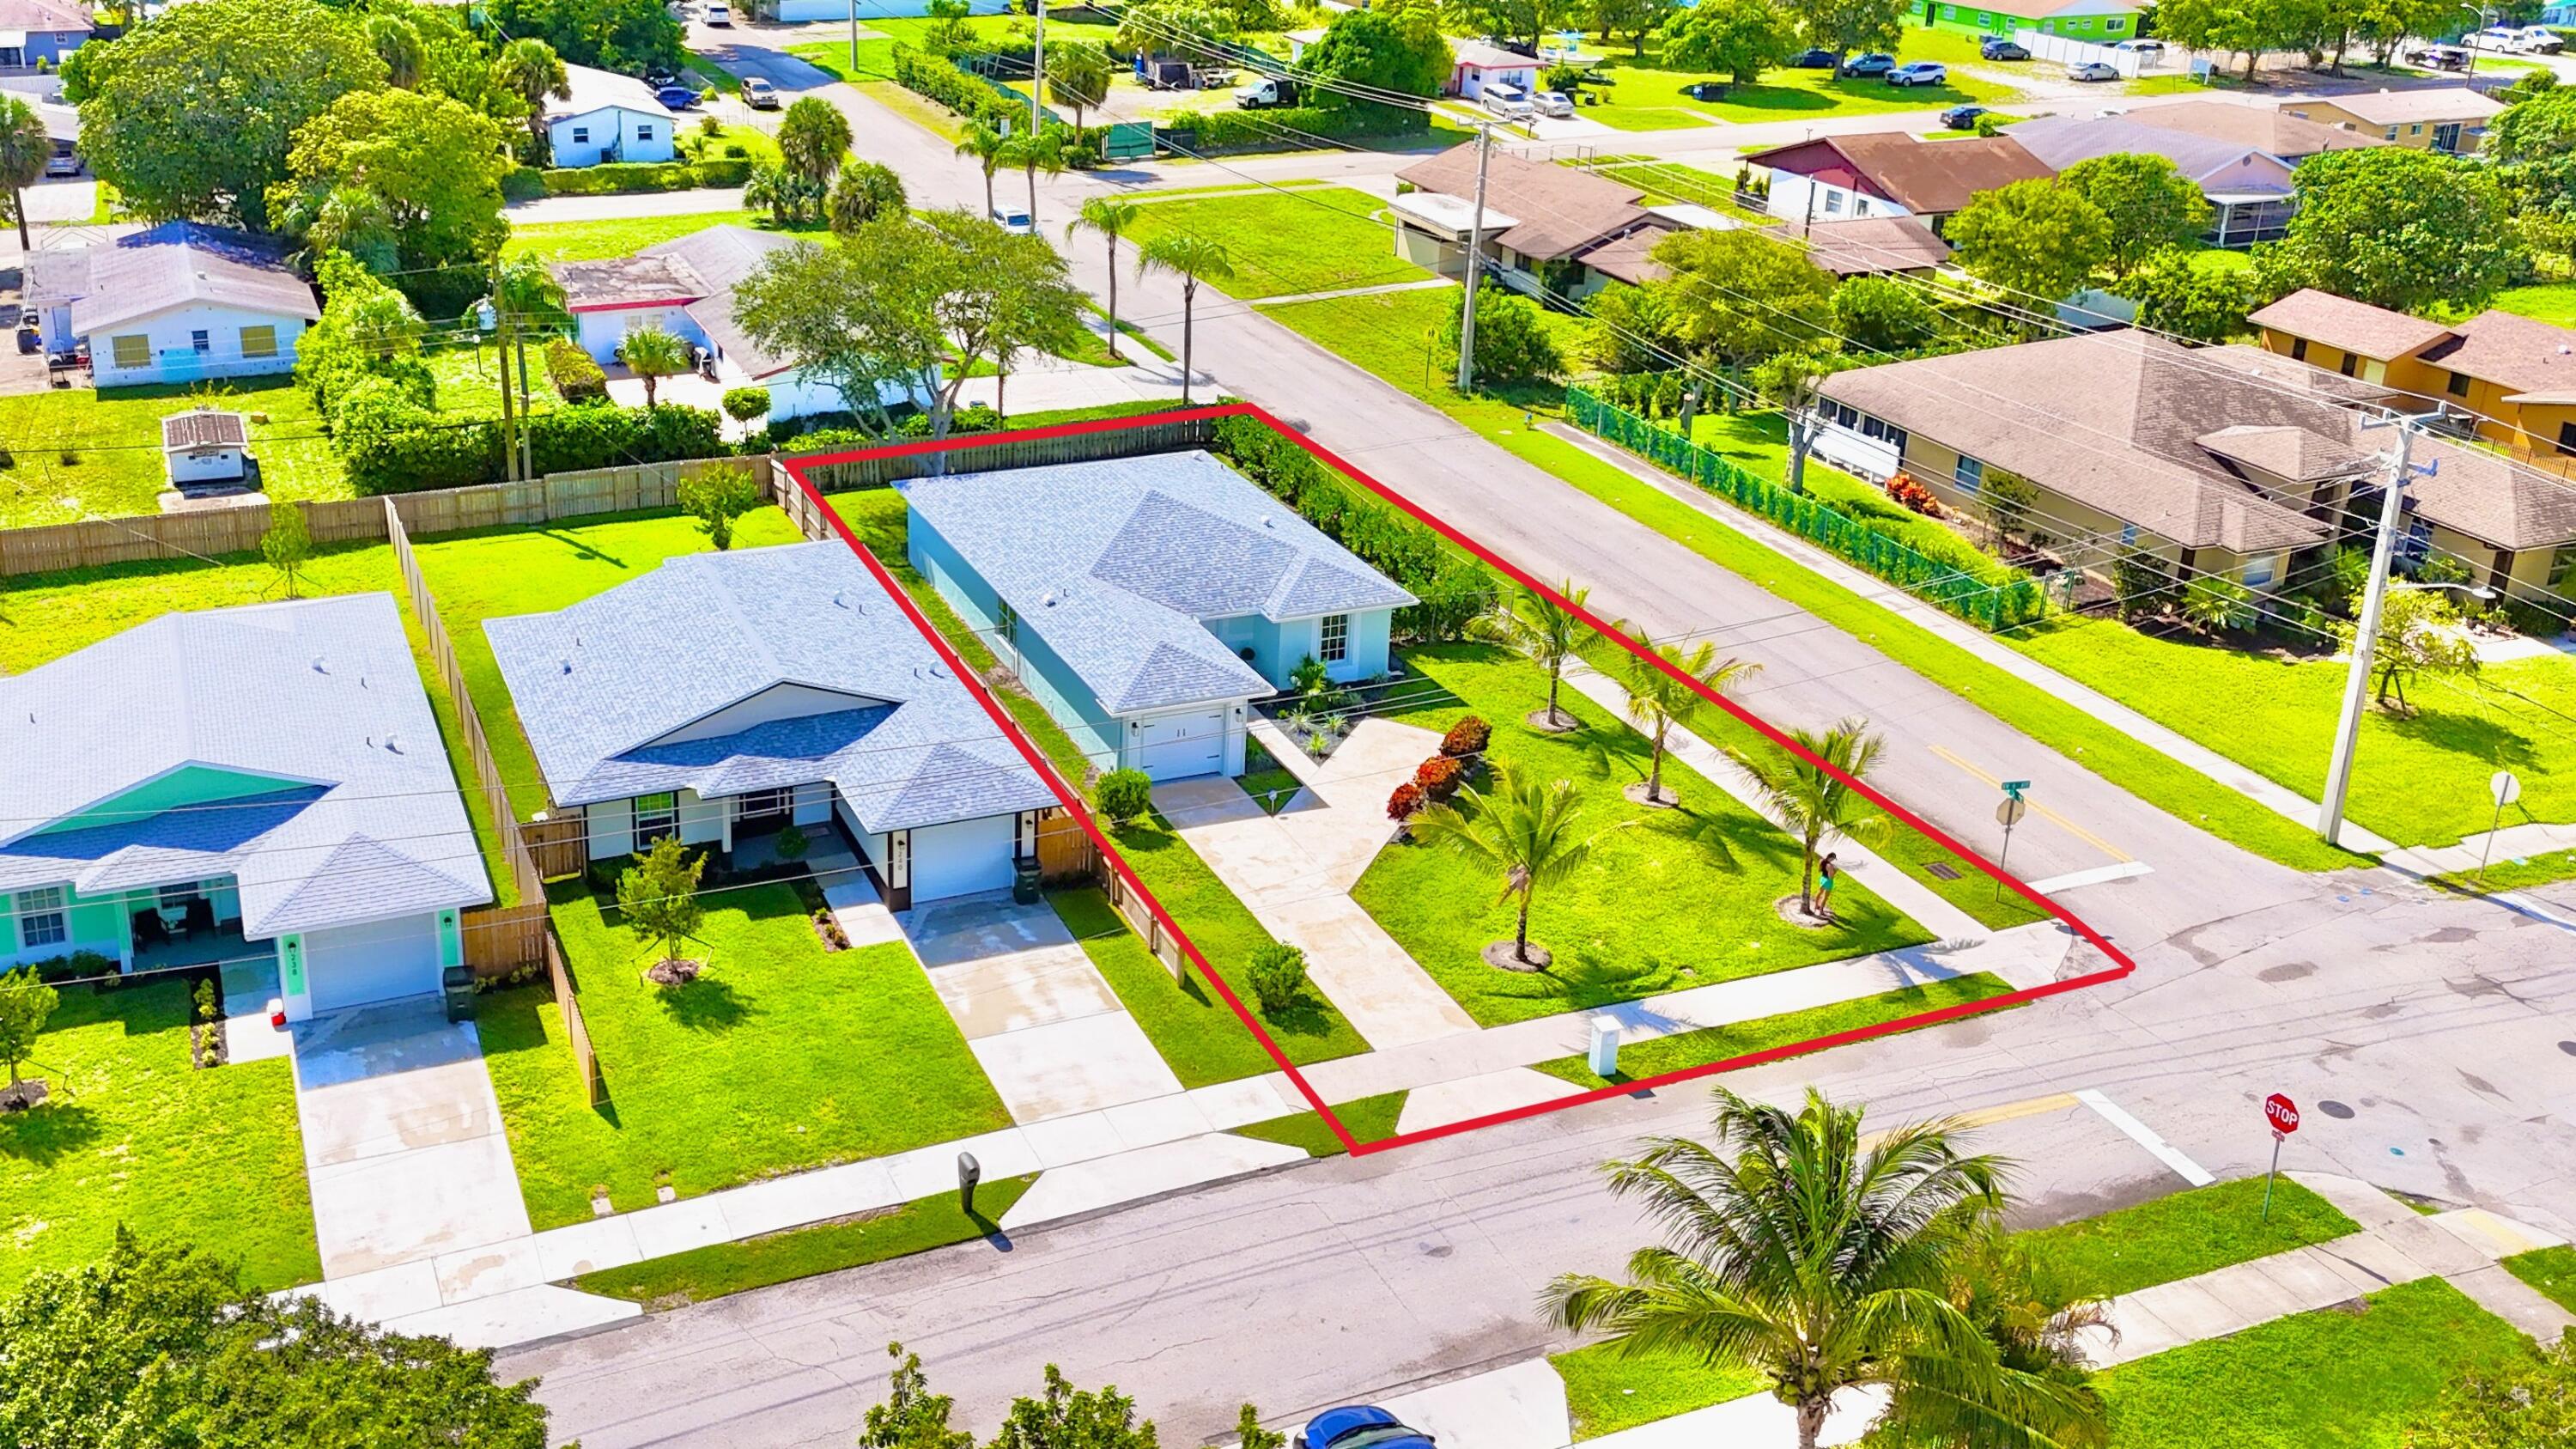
[[1024, 883], [456, 984]]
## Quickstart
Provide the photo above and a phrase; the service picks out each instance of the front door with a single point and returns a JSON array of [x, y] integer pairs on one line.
[[898, 870]]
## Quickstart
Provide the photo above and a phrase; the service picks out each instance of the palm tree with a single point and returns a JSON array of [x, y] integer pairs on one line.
[[1822, 1258], [2035, 1329], [1548, 634], [1818, 805], [529, 69], [1110, 217], [1523, 828], [989, 148], [399, 47], [25, 147], [783, 193], [653, 354], [1657, 701], [1194, 259], [1035, 152]]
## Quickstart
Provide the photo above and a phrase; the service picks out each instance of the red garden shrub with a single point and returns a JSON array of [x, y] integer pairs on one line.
[[1466, 737], [1406, 802], [1440, 777]]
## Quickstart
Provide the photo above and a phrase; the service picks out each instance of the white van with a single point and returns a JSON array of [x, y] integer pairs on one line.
[[1504, 99]]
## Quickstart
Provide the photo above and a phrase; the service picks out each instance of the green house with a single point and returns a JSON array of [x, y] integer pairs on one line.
[[2104, 22]]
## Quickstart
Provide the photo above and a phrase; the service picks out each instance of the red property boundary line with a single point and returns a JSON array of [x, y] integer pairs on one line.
[[1073, 804]]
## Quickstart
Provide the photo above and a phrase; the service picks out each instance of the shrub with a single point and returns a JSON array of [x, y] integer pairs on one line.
[[599, 435], [1124, 795], [1311, 676], [525, 183], [618, 178], [742, 404], [1440, 777], [1467, 737], [716, 496], [1406, 802], [574, 374], [792, 843], [1512, 340], [1277, 975], [729, 171]]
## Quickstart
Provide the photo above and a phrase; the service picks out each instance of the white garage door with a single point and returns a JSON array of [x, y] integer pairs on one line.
[[962, 858], [355, 965], [1176, 747]]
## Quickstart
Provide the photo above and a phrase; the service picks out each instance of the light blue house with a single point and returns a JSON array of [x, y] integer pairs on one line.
[[247, 786], [727, 695], [1149, 601]]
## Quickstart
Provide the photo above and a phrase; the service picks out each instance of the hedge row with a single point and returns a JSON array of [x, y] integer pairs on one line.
[[1990, 606], [624, 178], [388, 445], [1284, 128], [938, 78]]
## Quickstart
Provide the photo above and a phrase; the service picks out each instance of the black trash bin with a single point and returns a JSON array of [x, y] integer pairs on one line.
[[1024, 883], [456, 984]]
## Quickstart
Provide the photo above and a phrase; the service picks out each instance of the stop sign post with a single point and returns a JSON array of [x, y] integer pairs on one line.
[[2283, 1114]]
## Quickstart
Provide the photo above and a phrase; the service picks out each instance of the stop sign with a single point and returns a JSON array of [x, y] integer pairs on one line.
[[2281, 1112]]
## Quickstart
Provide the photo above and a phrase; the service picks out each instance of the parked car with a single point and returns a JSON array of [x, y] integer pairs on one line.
[[759, 94], [1874, 63], [2440, 57], [1360, 1426], [1962, 118], [677, 98], [1919, 73], [29, 338], [1817, 59], [1996, 47], [1269, 91], [1705, 90], [2541, 40], [660, 76], [717, 13], [2092, 70], [1015, 221], [1553, 103], [2152, 49], [65, 161], [2495, 37], [1504, 100]]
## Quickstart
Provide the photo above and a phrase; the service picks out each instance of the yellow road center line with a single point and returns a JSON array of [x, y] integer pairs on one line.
[[2070, 827]]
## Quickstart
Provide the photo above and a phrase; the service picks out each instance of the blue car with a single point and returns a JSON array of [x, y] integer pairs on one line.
[[677, 98], [1360, 1426]]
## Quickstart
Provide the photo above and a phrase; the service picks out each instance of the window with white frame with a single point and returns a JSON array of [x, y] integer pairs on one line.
[[581, 135], [1335, 642], [2260, 571], [1969, 475], [2128, 535], [2114, 23], [655, 817], [41, 920], [643, 133]]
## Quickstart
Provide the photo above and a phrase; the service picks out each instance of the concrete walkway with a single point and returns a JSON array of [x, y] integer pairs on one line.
[[2189, 753], [2513, 843], [1428, 284], [1295, 871], [1039, 1017]]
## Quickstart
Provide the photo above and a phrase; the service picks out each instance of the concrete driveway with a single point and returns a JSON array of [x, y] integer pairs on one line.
[[402, 1138], [1039, 1017]]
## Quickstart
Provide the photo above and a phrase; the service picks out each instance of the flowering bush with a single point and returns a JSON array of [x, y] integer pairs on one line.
[[1406, 802], [1440, 777], [1466, 737], [1914, 495]]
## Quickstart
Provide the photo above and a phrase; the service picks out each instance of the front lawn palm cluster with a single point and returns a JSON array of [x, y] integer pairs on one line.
[[1664, 897]]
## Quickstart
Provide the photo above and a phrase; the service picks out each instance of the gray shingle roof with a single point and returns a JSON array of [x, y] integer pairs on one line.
[[594, 89], [321, 695], [176, 264], [722, 256], [601, 687], [1114, 565]]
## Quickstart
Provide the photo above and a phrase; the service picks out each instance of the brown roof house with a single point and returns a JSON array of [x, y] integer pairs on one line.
[[1546, 228], [2207, 458], [1890, 174], [2268, 129]]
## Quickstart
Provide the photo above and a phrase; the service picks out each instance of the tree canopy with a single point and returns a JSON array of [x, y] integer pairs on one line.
[[619, 35], [2395, 227], [1742, 38], [1635, 19], [2148, 200], [192, 114], [1404, 53], [2535, 129], [812, 138], [1739, 296], [2035, 238], [2176, 295], [1843, 26], [428, 167]]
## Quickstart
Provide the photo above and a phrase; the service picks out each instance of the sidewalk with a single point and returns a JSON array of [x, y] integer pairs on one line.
[[1524, 1406], [2184, 751]]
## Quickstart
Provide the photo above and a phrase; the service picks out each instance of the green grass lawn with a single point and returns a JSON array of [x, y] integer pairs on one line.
[[1318, 239], [2326, 1378], [1717, 1043], [701, 1274], [2514, 874], [1606, 1390], [780, 1056], [1645, 96], [1200, 1037], [1669, 181], [490, 573], [1370, 1119], [75, 451], [1392, 336], [1670, 898], [2550, 1270], [133, 1134], [2187, 1233], [588, 241], [2551, 302], [2419, 780]]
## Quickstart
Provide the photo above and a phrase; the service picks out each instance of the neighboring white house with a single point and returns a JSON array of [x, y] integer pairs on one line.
[[1148, 602], [685, 287], [203, 446], [610, 117], [1480, 65], [171, 304], [726, 695], [253, 785]]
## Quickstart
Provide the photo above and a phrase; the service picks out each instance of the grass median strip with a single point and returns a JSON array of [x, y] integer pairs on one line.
[[1607, 1390], [2181, 1236], [1687, 1049], [719, 1269], [2552, 1271], [1370, 1119]]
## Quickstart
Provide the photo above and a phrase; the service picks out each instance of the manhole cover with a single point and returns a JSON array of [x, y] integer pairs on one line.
[[2336, 1110], [1944, 870]]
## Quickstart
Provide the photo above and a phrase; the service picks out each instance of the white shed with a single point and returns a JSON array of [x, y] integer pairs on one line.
[[205, 446]]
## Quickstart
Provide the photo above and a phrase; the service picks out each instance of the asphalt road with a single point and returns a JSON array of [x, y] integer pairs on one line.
[[2439, 1024]]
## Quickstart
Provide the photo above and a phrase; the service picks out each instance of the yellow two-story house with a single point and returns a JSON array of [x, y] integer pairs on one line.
[[2437, 118]]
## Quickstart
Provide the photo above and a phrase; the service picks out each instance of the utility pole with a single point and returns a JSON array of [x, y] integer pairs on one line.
[[1037, 80], [2365, 634], [1475, 264], [854, 41], [527, 434], [494, 315]]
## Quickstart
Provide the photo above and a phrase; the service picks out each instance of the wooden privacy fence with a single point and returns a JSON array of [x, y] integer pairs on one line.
[[503, 939], [1065, 853], [559, 844], [576, 1032], [1139, 918], [355, 520], [1133, 440]]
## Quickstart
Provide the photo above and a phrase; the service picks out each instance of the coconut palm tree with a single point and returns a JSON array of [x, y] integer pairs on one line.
[[1816, 804], [1657, 701], [989, 148], [1110, 217], [2035, 1329], [1525, 829], [529, 69], [25, 147], [1823, 1259], [399, 47], [1194, 259], [1037, 151], [653, 354], [1548, 634]]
